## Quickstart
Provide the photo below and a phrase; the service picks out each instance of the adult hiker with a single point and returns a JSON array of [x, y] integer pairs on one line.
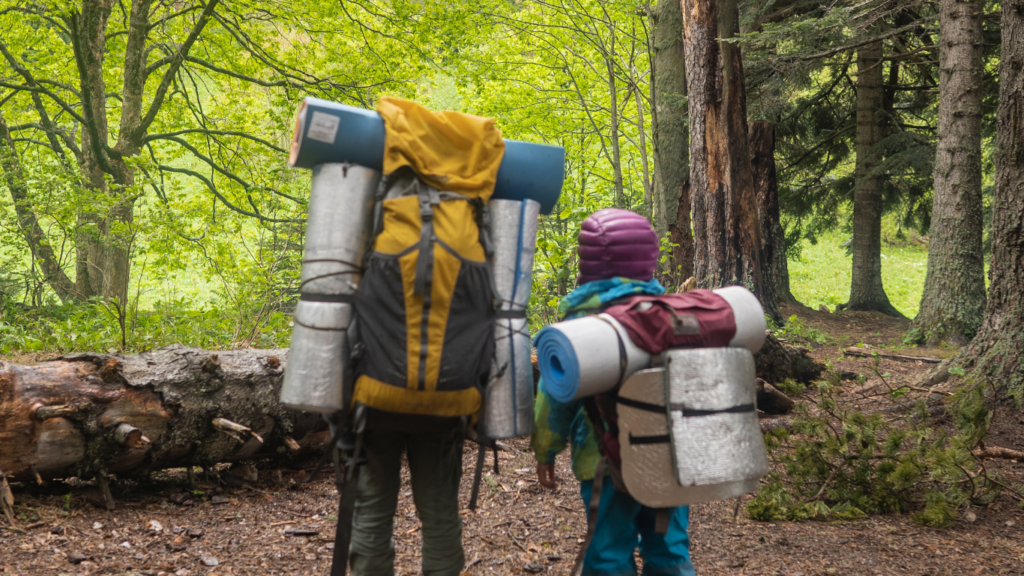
[[425, 334], [618, 254]]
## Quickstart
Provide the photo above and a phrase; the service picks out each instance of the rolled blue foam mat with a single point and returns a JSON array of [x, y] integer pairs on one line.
[[558, 364], [330, 132], [586, 356]]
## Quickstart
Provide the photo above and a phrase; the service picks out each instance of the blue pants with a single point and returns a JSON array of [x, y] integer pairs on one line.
[[622, 524]]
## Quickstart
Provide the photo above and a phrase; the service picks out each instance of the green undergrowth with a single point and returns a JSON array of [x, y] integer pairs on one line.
[[97, 327], [795, 330], [821, 272], [838, 464]]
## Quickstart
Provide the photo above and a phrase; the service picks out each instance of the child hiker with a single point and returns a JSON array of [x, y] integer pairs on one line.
[[618, 253]]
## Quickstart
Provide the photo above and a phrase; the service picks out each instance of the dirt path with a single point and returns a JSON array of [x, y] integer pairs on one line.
[[273, 526]]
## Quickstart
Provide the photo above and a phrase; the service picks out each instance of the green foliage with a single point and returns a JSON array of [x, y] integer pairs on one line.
[[842, 464], [90, 327], [791, 387], [795, 328]]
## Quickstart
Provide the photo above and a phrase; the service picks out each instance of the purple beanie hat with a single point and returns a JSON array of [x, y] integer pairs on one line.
[[615, 242]]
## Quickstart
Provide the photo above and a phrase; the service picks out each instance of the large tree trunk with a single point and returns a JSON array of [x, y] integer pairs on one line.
[[680, 234], [994, 356], [727, 243], [670, 132], [775, 272], [87, 415], [953, 302], [613, 103], [866, 291]]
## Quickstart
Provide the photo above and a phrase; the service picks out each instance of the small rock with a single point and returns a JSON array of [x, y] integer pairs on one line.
[[970, 516], [76, 557], [57, 530], [533, 568], [180, 498], [126, 544], [554, 557], [138, 556], [178, 544], [823, 308], [209, 561], [97, 526], [155, 526], [195, 532], [1010, 523], [216, 500]]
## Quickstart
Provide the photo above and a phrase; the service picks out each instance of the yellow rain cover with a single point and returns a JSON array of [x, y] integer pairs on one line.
[[450, 151]]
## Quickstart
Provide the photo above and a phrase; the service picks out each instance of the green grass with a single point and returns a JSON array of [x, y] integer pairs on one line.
[[822, 273]]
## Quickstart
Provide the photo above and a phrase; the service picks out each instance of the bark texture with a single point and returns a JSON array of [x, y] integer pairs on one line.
[[994, 356], [866, 291], [671, 136], [727, 243], [91, 414], [953, 302], [775, 271], [680, 233]]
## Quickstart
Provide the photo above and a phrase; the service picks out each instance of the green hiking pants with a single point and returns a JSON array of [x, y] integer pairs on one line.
[[435, 463]]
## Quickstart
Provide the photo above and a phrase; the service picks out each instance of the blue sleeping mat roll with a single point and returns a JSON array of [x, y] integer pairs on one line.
[[331, 132]]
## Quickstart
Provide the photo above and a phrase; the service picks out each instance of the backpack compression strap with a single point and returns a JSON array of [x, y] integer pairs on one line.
[[348, 484]]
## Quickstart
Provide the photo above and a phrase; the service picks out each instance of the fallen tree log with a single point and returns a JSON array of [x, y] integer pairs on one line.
[[862, 353], [88, 415]]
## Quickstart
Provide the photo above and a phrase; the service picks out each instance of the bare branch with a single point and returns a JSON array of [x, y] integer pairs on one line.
[[168, 135], [231, 175], [165, 82], [213, 188], [226, 72]]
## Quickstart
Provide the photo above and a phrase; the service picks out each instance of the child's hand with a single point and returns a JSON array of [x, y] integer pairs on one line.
[[546, 476]]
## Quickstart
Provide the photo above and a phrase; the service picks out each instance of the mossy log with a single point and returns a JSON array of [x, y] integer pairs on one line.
[[88, 415]]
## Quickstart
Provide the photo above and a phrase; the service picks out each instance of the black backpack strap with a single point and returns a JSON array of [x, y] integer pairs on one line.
[[348, 486], [425, 260], [477, 475]]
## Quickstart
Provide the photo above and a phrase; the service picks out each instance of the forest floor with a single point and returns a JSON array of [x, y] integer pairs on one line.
[[226, 525]]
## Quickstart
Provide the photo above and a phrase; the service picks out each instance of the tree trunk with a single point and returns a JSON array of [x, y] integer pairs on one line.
[[609, 61], [866, 291], [680, 234], [775, 272], [90, 414], [727, 245], [994, 356], [953, 302], [670, 135]]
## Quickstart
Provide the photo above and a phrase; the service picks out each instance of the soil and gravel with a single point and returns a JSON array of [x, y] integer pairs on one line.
[[255, 520]]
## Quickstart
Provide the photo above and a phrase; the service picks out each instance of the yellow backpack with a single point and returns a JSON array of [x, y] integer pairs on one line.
[[425, 306]]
